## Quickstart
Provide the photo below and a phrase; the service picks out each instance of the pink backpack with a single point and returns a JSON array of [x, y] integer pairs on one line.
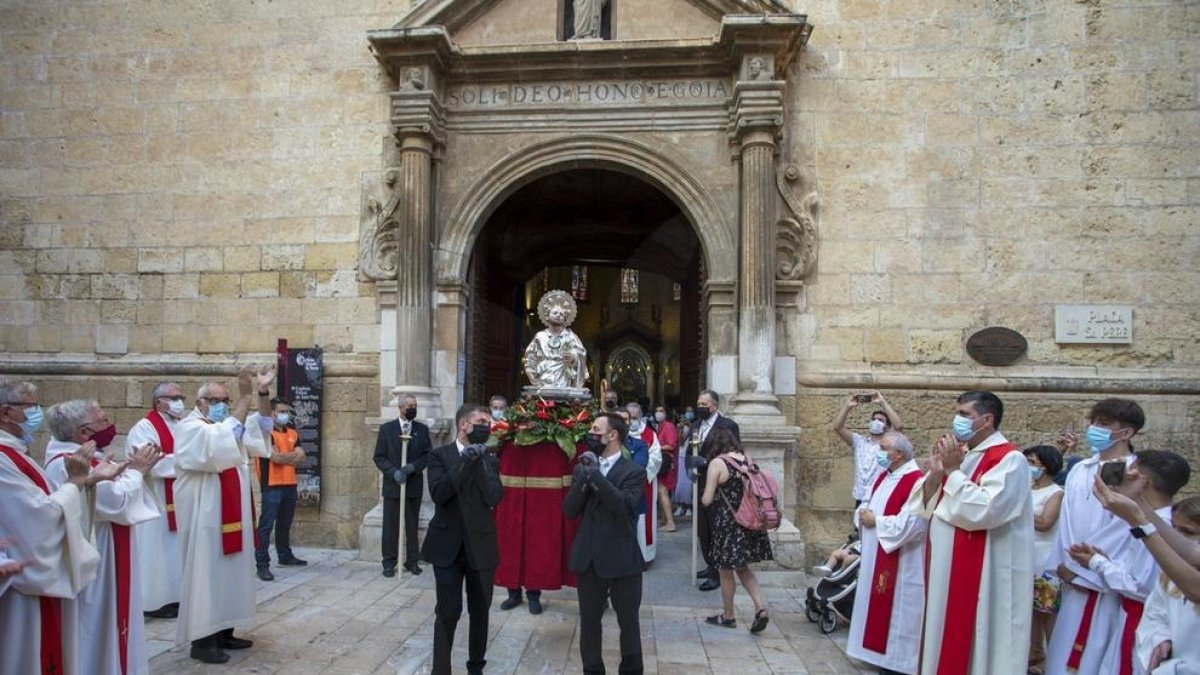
[[759, 509]]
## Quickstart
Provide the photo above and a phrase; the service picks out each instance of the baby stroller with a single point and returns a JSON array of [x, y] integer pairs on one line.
[[833, 597]]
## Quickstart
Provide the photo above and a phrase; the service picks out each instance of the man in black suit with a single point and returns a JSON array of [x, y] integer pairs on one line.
[[388, 459], [605, 557], [709, 417], [464, 482]]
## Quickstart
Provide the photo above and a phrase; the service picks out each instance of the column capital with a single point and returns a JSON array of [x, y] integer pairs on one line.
[[756, 113], [418, 113]]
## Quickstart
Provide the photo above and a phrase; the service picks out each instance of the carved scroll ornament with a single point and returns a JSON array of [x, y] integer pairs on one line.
[[379, 252], [796, 234]]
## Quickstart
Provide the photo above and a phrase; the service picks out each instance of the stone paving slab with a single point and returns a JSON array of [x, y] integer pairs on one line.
[[340, 616]]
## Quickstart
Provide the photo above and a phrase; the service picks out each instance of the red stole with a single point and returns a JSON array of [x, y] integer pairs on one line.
[[966, 576], [166, 441], [647, 437], [51, 650], [1133, 615], [1085, 627], [883, 580], [231, 511]]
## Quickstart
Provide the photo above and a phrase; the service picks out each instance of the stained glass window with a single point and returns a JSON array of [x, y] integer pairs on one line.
[[629, 286], [579, 283]]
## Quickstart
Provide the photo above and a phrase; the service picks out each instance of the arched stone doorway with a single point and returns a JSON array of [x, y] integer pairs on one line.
[[580, 229]]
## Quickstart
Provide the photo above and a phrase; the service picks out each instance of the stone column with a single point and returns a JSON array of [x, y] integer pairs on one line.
[[758, 116]]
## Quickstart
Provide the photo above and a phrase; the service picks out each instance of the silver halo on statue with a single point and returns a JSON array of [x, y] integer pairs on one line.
[[556, 360]]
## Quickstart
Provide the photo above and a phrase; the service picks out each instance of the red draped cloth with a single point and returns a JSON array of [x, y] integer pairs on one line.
[[534, 536]]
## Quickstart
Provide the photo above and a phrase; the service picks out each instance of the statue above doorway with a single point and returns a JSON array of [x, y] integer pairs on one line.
[[587, 16], [556, 360]]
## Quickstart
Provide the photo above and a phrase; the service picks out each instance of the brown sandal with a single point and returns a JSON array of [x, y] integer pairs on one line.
[[720, 620], [760, 621]]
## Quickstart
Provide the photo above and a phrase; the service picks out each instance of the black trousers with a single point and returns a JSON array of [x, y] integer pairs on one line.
[[626, 594], [449, 607], [391, 530]]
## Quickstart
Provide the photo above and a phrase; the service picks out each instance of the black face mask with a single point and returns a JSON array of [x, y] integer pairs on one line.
[[703, 413], [410, 414], [479, 433], [594, 443], [610, 404]]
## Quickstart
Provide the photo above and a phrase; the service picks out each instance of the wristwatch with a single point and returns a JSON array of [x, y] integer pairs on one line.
[[1142, 531]]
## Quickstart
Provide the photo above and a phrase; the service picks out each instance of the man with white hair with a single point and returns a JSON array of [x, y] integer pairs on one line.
[[215, 512], [885, 630], [111, 628], [647, 524], [42, 532], [159, 565]]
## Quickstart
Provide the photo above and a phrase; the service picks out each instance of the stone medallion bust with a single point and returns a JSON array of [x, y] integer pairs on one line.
[[556, 359]]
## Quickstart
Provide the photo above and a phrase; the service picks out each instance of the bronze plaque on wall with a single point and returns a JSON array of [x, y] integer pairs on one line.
[[997, 346]]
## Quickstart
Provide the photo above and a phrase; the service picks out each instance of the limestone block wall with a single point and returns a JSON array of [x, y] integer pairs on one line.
[[977, 164], [180, 183]]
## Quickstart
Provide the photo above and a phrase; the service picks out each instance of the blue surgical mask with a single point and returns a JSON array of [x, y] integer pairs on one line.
[[33, 421], [964, 428], [1099, 438], [217, 412], [881, 459], [689, 415], [282, 419], [1035, 472]]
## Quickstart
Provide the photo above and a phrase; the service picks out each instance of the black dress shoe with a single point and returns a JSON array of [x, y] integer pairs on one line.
[[293, 562], [227, 641], [389, 571], [514, 599], [535, 603], [209, 654], [412, 567], [168, 611], [265, 574], [710, 585], [705, 573]]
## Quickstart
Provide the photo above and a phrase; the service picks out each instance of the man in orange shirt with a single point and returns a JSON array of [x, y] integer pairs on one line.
[[277, 479]]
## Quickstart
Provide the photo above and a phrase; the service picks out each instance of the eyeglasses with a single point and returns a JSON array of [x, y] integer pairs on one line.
[[180, 397], [218, 400], [19, 404]]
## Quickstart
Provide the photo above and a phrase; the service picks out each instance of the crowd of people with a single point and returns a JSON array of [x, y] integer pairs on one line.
[[95, 542], [981, 558]]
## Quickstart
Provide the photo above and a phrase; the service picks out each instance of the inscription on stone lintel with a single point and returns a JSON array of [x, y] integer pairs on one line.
[[1094, 324], [600, 92]]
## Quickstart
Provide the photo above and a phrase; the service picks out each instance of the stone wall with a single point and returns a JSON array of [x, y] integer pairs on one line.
[[181, 182], [977, 164]]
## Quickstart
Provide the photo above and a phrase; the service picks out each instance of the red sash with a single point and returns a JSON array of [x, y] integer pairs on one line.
[[647, 437], [1133, 615], [123, 549], [51, 651], [1085, 627], [883, 580], [231, 511], [966, 576], [166, 441]]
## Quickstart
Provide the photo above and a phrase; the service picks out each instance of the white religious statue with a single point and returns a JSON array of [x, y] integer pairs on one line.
[[556, 358], [587, 19]]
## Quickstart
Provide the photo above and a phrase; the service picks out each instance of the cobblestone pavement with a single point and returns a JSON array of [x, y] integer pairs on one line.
[[340, 616]]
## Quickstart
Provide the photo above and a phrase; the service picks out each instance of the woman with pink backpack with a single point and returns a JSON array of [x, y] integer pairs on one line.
[[734, 545]]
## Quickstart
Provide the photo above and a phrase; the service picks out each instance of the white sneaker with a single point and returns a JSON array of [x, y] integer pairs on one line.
[[822, 570]]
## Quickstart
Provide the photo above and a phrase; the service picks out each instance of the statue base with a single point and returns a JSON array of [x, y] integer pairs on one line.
[[562, 394]]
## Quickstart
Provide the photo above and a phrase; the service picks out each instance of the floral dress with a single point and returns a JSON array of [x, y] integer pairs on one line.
[[734, 546]]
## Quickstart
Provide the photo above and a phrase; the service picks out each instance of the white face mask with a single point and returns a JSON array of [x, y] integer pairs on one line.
[[876, 427], [660, 416], [175, 408]]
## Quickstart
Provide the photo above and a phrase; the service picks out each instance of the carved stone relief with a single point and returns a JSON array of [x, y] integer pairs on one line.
[[796, 233], [378, 254]]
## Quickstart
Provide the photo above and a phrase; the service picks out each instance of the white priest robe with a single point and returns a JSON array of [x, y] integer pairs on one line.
[[46, 531], [1169, 616], [904, 534], [159, 563], [1082, 520], [999, 504], [1130, 574], [122, 501], [647, 522], [218, 589]]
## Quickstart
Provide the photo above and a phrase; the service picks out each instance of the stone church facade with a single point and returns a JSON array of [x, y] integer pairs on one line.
[[868, 183]]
